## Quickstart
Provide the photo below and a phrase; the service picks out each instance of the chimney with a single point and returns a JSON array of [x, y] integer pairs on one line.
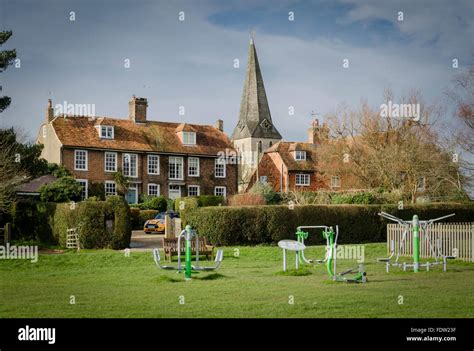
[[49, 111], [317, 134], [219, 125], [137, 109]]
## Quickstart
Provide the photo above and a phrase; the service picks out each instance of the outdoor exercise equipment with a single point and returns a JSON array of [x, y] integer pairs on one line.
[[331, 260], [301, 237], [291, 245], [418, 227], [188, 234]]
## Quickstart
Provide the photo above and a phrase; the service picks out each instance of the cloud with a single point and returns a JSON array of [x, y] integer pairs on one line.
[[190, 63]]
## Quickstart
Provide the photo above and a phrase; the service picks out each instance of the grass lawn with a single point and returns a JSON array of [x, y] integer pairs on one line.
[[107, 284]]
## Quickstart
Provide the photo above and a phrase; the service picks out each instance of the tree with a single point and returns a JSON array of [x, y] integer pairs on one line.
[[392, 153], [463, 97], [10, 174], [28, 155], [6, 59]]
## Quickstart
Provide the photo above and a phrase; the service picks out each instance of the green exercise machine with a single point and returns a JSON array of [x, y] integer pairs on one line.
[[330, 260], [188, 234], [418, 227]]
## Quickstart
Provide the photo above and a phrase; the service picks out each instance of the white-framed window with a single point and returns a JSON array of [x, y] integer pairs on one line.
[[153, 164], [80, 160], [219, 169], [193, 166], [189, 138], [110, 161], [302, 179], [220, 191], [45, 131], [176, 168], [300, 155], [130, 165], [193, 190], [153, 189], [335, 182], [421, 184], [263, 179], [110, 188], [84, 186], [106, 132]]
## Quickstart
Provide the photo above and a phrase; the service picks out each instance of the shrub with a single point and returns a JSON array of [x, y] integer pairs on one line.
[[188, 203], [158, 203], [210, 200], [269, 224], [61, 190], [33, 221], [135, 217], [122, 230], [100, 224], [266, 190], [97, 191]]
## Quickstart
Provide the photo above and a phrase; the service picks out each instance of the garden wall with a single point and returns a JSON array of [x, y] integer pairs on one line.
[[268, 224]]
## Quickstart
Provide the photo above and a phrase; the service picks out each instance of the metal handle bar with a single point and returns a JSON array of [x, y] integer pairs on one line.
[[312, 227]]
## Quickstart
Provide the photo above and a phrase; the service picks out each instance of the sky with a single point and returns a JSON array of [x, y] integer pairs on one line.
[[190, 63]]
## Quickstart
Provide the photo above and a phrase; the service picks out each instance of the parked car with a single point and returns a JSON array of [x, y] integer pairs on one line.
[[157, 224]]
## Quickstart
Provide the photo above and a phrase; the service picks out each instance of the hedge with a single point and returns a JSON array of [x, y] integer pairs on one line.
[[268, 224], [33, 221], [100, 224], [190, 203]]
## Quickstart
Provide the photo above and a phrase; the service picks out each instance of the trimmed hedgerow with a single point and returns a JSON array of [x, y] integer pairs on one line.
[[189, 203], [122, 230], [100, 224], [269, 224], [210, 200]]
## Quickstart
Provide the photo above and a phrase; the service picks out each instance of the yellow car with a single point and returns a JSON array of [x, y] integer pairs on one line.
[[157, 224]]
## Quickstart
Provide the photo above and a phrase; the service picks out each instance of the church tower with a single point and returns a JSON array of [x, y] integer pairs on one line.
[[255, 131]]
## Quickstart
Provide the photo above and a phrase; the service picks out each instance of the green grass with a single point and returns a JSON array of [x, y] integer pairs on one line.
[[108, 284]]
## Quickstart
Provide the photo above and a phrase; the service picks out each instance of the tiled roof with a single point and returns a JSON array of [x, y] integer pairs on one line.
[[34, 185], [151, 136], [285, 149]]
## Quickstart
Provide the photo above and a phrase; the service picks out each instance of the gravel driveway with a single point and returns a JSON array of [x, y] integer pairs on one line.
[[144, 242]]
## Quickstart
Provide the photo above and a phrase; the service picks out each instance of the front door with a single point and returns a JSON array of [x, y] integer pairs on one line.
[[174, 192], [132, 194]]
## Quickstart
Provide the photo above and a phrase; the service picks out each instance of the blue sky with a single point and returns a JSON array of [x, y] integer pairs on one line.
[[190, 63]]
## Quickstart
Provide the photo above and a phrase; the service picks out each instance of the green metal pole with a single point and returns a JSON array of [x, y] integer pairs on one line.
[[188, 237], [416, 244]]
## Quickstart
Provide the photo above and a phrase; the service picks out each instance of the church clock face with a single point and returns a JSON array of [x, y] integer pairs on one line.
[[265, 124]]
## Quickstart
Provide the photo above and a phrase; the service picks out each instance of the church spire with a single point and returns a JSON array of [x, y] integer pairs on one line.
[[255, 119]]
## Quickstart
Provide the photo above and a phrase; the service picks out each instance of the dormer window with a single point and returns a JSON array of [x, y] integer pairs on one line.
[[189, 138], [300, 155], [106, 132]]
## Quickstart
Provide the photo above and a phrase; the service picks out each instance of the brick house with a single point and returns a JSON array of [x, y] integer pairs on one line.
[[158, 158], [297, 166]]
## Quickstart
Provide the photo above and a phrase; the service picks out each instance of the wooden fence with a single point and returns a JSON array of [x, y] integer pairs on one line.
[[455, 239]]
